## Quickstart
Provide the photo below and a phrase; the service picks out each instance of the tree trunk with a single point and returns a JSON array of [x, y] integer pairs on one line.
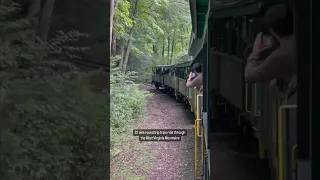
[[163, 44], [45, 19], [121, 52], [154, 49], [114, 45], [111, 21], [168, 50], [181, 37], [127, 52], [34, 11], [113, 40], [182, 43], [172, 48], [128, 48]]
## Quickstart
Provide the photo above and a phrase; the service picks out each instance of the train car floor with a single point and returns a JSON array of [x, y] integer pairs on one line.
[[228, 164]]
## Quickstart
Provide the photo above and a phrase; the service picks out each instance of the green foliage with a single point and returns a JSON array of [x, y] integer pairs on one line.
[[127, 101], [122, 21], [157, 23], [53, 125]]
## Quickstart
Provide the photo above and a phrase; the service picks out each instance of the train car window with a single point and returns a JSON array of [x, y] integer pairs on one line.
[[228, 37], [233, 36], [167, 71], [182, 73], [177, 72], [218, 35], [241, 39], [244, 28], [251, 34], [223, 39]]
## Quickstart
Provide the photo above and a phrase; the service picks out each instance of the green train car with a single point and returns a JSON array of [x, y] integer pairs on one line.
[[222, 31], [172, 78]]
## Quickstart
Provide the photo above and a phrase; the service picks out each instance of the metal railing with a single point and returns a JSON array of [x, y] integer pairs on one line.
[[198, 134], [281, 148]]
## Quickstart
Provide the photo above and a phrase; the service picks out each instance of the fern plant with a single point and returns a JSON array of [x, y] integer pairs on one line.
[[53, 125]]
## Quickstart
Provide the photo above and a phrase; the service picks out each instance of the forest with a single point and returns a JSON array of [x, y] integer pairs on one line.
[[149, 32], [54, 94]]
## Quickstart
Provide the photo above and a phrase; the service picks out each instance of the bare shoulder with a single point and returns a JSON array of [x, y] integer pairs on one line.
[[281, 54]]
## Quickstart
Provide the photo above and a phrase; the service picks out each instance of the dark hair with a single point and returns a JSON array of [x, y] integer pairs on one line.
[[197, 67], [280, 19]]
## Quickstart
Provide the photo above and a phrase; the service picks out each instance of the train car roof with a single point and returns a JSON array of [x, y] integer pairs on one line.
[[200, 11], [231, 8], [183, 64], [162, 66]]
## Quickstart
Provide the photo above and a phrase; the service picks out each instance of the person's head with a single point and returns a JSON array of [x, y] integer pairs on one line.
[[279, 20], [196, 68]]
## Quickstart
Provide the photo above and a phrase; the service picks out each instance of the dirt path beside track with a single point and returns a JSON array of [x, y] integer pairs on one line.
[[159, 160]]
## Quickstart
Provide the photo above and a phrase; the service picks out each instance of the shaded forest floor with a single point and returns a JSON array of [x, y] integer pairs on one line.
[[158, 160]]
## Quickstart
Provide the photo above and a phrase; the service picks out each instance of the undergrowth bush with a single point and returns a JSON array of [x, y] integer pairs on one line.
[[127, 101], [52, 124]]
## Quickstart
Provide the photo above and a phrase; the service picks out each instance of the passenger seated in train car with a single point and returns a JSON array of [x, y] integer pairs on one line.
[[195, 77], [279, 66]]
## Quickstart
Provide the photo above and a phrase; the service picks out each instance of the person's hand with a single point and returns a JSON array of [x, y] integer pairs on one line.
[[258, 47], [190, 75]]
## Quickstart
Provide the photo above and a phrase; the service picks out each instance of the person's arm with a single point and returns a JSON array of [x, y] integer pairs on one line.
[[192, 82], [269, 69]]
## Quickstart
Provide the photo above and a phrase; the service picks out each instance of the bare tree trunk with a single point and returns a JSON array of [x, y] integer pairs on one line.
[[34, 8], [168, 50], [172, 48], [128, 48], [127, 52], [121, 52], [181, 37], [34, 11], [187, 41], [154, 49], [114, 45], [163, 44], [111, 21], [113, 40], [45, 19]]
